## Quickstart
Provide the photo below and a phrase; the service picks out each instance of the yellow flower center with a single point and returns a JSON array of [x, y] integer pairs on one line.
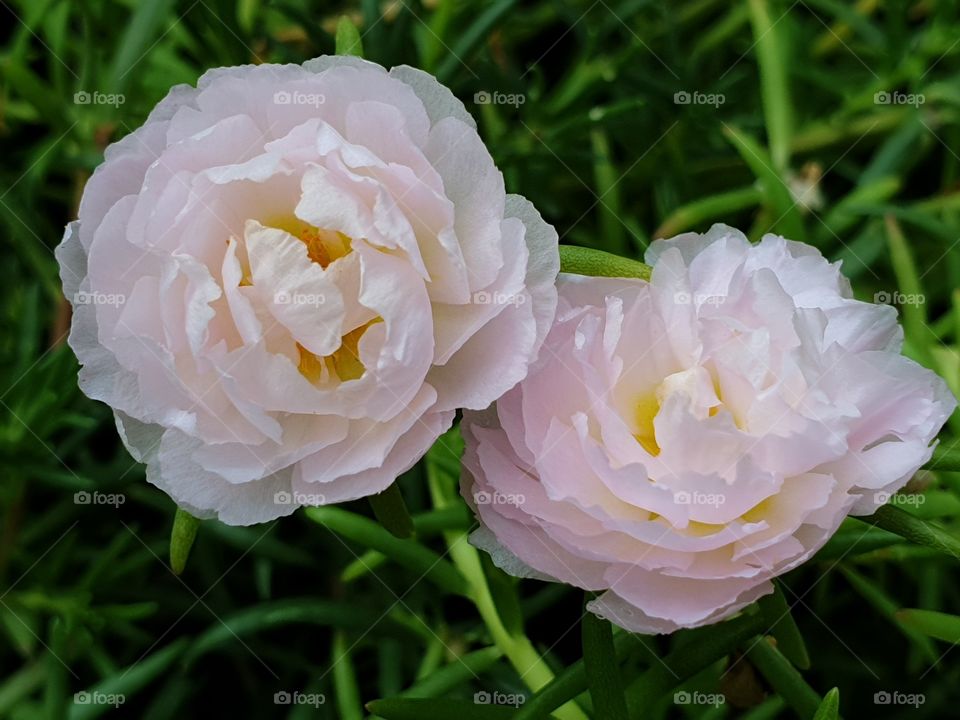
[[342, 364], [648, 405], [323, 246]]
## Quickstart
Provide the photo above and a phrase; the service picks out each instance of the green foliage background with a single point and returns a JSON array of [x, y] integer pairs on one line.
[[785, 99]]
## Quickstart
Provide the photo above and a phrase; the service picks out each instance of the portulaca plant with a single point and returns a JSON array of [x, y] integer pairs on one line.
[[291, 279]]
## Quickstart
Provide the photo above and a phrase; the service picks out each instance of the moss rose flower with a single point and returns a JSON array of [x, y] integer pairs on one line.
[[681, 442], [287, 280]]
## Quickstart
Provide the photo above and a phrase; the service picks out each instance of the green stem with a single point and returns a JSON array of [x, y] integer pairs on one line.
[[597, 263], [517, 648]]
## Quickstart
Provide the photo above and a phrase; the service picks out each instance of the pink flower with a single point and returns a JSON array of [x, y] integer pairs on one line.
[[289, 278], [681, 442]]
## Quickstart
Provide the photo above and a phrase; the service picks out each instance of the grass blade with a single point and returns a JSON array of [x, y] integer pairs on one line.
[[776, 611], [408, 553], [391, 511], [941, 626], [603, 675]]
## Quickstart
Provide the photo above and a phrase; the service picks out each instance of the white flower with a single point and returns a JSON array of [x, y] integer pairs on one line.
[[297, 249], [682, 442]]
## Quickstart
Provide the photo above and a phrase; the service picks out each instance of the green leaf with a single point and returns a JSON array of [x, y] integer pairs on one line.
[[913, 313], [772, 57], [854, 539], [139, 37], [307, 611], [598, 263], [887, 607], [941, 626], [946, 456], [830, 707], [786, 214], [391, 511], [570, 683], [603, 674], [461, 670], [607, 178], [437, 709], [914, 529], [21, 684], [347, 692], [472, 36], [428, 524], [708, 209], [783, 628], [348, 38], [408, 553], [128, 682], [181, 539], [704, 647], [783, 677]]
